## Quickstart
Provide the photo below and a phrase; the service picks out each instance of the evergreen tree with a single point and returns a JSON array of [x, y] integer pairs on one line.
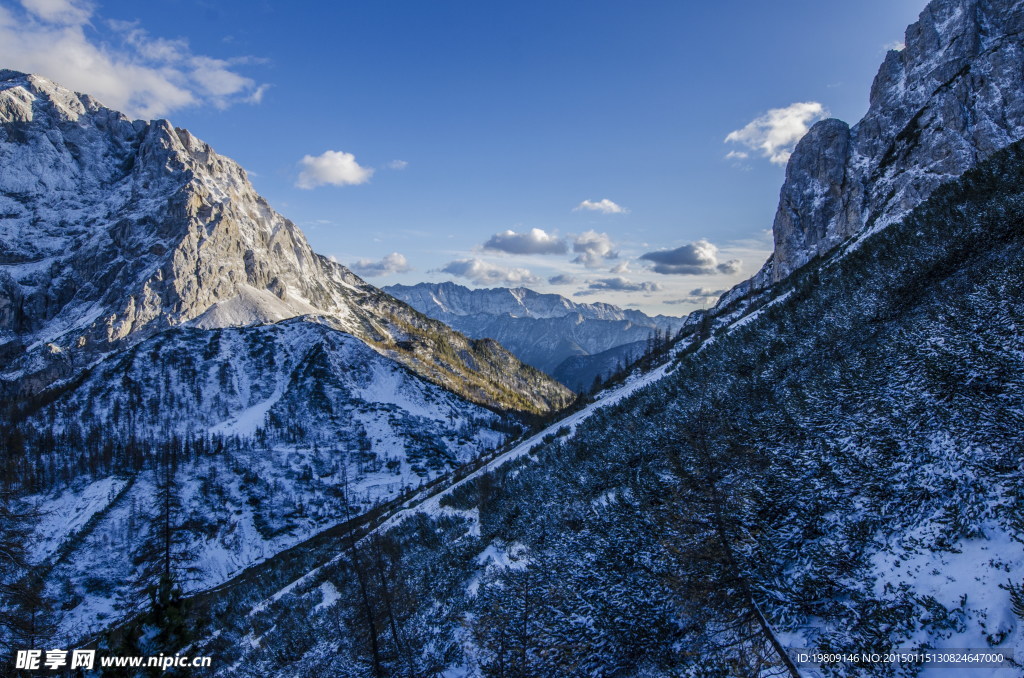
[[164, 627], [27, 617]]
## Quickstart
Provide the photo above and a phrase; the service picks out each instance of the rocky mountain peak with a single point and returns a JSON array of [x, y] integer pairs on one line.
[[25, 97], [448, 298], [112, 231], [571, 341], [949, 99]]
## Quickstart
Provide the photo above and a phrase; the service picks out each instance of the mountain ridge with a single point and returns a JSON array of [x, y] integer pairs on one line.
[[573, 342], [517, 302], [115, 230]]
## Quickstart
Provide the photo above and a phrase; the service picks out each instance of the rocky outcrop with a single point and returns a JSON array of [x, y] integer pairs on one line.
[[113, 230], [950, 98], [818, 206]]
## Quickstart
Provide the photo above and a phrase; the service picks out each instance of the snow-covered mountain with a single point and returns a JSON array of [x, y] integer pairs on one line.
[[113, 230], [278, 432], [573, 342], [830, 461], [172, 349], [519, 302]]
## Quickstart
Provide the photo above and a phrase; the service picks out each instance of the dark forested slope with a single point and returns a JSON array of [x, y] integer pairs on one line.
[[842, 468]]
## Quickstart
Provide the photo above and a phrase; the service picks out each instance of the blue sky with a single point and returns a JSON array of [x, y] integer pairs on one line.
[[552, 144]]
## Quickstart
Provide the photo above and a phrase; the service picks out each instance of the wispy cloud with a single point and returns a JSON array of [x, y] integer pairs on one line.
[[604, 206], [392, 263], [617, 284], [131, 71], [593, 248], [485, 273], [335, 168], [397, 164], [700, 295], [774, 134], [695, 258], [59, 11], [562, 279], [535, 241]]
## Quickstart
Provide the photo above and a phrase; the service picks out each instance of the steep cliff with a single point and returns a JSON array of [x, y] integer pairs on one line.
[[949, 99]]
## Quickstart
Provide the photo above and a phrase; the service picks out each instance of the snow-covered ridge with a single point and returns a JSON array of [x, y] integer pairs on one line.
[[24, 97], [519, 302], [570, 341], [305, 417], [113, 230]]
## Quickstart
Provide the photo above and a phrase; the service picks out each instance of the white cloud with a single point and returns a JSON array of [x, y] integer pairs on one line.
[[593, 248], [737, 155], [397, 164], [695, 258], [897, 45], [257, 96], [336, 168], [536, 241], [128, 69], [485, 273], [701, 295], [59, 11], [561, 279], [392, 263], [216, 79], [774, 134], [605, 206]]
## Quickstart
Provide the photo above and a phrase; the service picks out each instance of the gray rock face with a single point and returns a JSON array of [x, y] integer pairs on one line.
[[113, 230], [817, 206], [951, 98]]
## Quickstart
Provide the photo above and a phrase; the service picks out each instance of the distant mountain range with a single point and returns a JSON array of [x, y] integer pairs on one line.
[[572, 342]]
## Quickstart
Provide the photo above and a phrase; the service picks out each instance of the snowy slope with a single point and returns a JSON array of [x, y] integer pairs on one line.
[[856, 442], [278, 425]]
